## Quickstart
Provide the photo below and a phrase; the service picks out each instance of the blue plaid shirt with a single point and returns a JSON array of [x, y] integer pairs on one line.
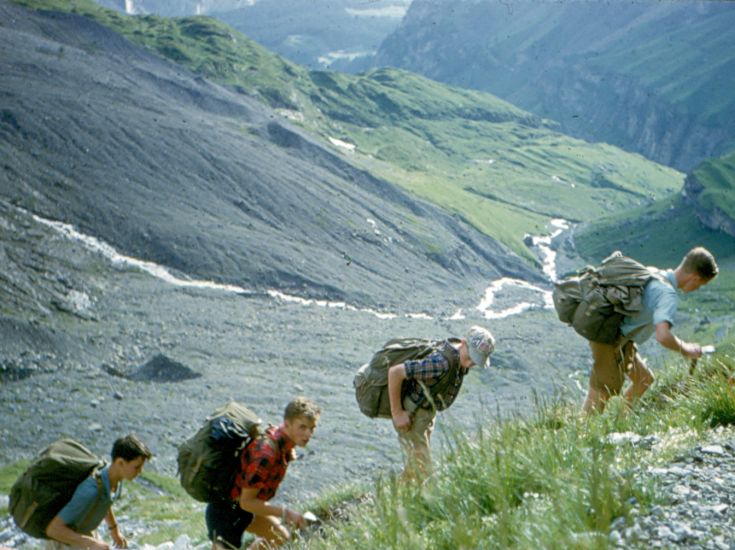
[[428, 371]]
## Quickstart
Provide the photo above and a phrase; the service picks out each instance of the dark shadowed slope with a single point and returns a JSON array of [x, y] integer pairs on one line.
[[170, 167]]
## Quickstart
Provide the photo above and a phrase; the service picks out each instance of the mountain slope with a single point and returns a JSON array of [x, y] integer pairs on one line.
[[504, 170], [653, 77], [170, 167]]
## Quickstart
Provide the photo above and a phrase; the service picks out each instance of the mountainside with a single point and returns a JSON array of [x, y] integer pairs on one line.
[[648, 76], [170, 167], [502, 169]]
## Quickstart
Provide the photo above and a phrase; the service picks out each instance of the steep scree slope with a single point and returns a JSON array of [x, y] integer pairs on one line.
[[170, 167]]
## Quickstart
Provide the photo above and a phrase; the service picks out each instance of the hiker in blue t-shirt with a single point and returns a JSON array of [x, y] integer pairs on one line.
[[76, 523], [612, 362]]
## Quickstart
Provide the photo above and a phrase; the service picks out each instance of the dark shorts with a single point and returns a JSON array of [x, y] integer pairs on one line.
[[226, 522]]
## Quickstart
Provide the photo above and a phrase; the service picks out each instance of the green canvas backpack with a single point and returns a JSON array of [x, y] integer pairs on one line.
[[209, 460], [371, 379], [596, 300], [40, 492]]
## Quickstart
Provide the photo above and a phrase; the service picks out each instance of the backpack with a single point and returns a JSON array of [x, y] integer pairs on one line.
[[371, 379], [597, 299], [209, 460], [48, 484]]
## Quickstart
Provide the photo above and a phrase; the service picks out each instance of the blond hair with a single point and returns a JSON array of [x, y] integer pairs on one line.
[[302, 407]]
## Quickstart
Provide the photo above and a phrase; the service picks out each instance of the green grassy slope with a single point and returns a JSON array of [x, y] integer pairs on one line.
[[718, 178], [503, 169]]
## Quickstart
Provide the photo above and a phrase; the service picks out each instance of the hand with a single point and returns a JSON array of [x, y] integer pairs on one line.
[[293, 517], [119, 540], [693, 351], [98, 545], [401, 421]]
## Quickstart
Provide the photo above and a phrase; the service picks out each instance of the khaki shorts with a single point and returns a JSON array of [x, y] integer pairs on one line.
[[417, 440], [611, 363]]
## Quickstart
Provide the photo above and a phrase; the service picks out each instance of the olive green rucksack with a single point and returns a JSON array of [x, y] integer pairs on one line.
[[40, 492], [209, 460], [596, 300], [371, 379]]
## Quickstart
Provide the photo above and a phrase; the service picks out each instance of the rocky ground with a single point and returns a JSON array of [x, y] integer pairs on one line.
[[101, 349], [700, 510]]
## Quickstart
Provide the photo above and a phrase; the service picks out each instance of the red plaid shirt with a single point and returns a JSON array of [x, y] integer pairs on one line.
[[263, 464]]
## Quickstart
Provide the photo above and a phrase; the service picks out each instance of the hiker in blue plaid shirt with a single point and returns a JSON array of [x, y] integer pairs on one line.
[[419, 388]]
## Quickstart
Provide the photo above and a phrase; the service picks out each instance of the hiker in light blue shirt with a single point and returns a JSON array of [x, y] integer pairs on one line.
[[75, 525], [613, 362]]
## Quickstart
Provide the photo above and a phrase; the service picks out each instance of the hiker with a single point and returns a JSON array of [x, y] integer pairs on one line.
[[77, 521], [611, 362], [441, 373], [263, 464]]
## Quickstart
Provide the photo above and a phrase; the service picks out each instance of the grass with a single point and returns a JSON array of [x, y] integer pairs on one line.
[[550, 480], [504, 170]]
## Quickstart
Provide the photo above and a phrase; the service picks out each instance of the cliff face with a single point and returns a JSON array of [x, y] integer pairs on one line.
[[650, 77]]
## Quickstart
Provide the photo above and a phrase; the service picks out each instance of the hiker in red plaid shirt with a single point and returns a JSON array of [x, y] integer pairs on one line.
[[263, 466]]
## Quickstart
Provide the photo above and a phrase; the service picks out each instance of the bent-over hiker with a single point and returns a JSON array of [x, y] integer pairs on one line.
[[76, 523], [263, 465], [612, 362], [419, 388]]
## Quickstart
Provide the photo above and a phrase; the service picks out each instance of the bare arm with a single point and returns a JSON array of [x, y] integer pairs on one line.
[[59, 531], [666, 338], [250, 502], [396, 376], [117, 536]]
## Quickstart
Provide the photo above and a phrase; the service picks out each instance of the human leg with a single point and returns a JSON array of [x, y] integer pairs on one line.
[[416, 444], [270, 533], [641, 377], [606, 378], [226, 522]]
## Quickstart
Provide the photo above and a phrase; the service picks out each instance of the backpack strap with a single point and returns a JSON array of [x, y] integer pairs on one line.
[[444, 379], [97, 475]]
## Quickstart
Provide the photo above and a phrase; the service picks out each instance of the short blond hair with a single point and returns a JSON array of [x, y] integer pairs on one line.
[[302, 407]]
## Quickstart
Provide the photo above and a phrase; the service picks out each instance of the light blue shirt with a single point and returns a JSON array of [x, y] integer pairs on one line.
[[87, 508], [659, 304]]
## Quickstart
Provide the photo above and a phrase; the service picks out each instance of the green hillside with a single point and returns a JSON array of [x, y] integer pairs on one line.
[[718, 178], [504, 170]]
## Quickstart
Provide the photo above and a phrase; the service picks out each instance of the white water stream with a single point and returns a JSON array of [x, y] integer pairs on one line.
[[495, 304]]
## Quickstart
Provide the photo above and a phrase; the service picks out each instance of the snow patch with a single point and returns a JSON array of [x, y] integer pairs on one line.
[[342, 144]]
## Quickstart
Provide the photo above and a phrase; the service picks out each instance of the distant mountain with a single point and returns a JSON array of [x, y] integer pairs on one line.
[[170, 167], [649, 76], [319, 34]]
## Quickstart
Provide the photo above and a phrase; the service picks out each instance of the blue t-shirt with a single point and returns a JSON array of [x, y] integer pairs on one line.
[[659, 304], [87, 508]]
